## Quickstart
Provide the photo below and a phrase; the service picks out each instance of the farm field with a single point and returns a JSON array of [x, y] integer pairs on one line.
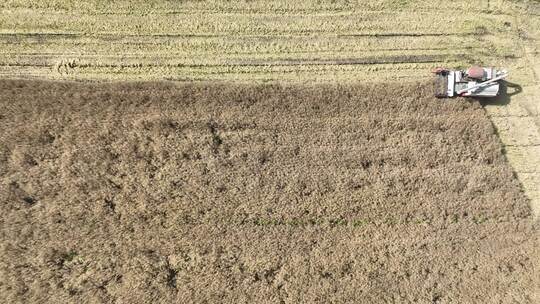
[[287, 41], [242, 193], [266, 151]]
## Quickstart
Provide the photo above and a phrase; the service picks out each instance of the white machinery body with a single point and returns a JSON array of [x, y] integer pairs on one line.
[[475, 81]]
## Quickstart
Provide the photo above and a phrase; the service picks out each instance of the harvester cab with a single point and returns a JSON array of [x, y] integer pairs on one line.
[[473, 82]]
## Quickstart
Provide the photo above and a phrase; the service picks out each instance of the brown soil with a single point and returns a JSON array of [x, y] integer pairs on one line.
[[146, 193]]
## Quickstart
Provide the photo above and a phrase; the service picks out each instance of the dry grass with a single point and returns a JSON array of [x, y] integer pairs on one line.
[[145, 193], [220, 40]]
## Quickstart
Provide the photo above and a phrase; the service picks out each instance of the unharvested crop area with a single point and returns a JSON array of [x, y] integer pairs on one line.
[[228, 193]]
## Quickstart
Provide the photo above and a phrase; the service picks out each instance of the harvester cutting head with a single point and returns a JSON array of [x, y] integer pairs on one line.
[[473, 82]]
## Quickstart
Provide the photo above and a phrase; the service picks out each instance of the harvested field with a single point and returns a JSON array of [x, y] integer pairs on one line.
[[160, 192], [312, 40]]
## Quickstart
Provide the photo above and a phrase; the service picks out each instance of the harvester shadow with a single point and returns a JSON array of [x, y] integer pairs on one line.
[[507, 90]]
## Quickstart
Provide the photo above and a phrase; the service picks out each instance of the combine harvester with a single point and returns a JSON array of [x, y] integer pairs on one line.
[[473, 82]]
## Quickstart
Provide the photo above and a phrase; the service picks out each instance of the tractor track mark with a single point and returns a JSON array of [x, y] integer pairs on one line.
[[259, 63], [322, 33], [179, 55]]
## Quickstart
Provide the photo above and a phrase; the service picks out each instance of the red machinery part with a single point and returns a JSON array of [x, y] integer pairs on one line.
[[475, 72]]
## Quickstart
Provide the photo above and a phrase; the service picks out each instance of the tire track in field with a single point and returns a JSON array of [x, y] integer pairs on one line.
[[113, 36], [388, 60]]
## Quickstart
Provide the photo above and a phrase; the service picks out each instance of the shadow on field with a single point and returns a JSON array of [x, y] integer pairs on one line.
[[507, 90]]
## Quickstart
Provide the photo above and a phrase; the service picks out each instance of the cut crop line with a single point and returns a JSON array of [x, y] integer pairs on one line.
[[15, 64], [331, 62], [268, 12], [407, 34], [39, 34], [313, 74], [324, 12], [522, 145], [290, 34], [171, 55], [263, 63], [155, 38], [360, 49], [517, 116]]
